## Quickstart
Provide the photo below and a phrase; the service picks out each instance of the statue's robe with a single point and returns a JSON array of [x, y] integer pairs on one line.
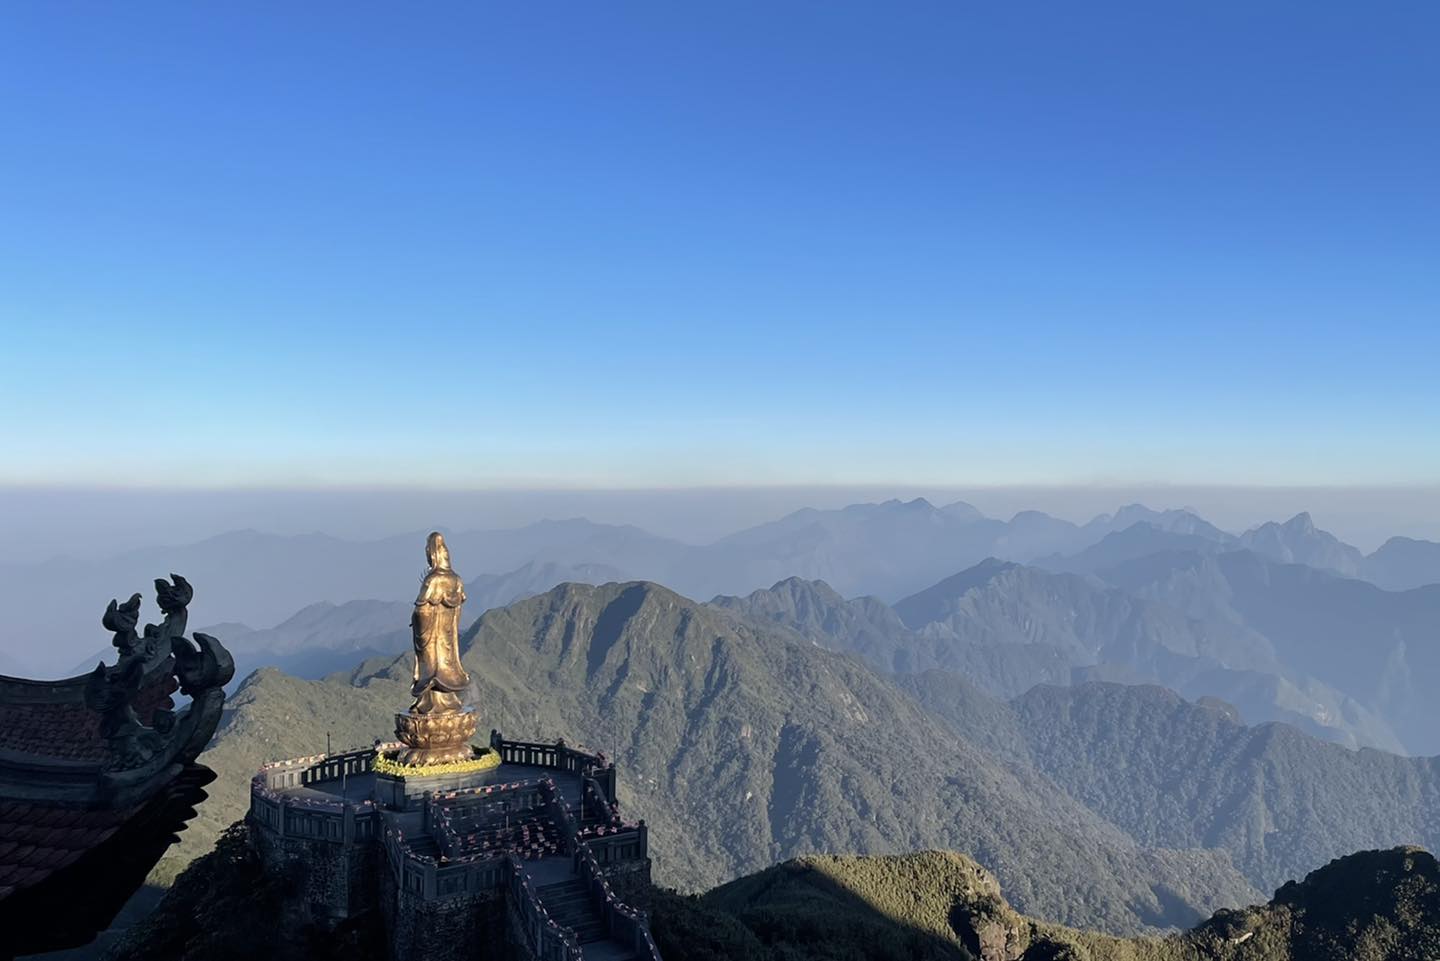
[[439, 678]]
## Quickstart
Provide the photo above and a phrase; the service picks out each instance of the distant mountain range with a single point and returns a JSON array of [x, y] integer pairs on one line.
[[1219, 623], [1379, 648], [1142, 596], [256, 579], [324, 637], [383, 627], [1402, 563]]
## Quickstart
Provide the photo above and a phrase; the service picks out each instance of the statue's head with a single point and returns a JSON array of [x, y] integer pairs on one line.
[[436, 552]]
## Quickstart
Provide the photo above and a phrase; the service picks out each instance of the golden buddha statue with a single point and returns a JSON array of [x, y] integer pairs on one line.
[[439, 678], [437, 728]]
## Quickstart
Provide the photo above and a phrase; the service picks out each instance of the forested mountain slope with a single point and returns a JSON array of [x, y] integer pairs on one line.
[[1378, 648], [1177, 774], [939, 906], [1008, 627], [743, 744]]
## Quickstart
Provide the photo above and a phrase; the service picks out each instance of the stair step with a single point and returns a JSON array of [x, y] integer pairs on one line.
[[561, 897], [562, 886], [590, 934], [555, 901], [569, 905], [579, 923], [571, 909]]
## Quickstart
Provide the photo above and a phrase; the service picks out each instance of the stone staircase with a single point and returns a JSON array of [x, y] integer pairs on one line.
[[568, 903]]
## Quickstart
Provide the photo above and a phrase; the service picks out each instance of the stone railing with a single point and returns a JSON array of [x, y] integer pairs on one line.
[[455, 819], [333, 767], [432, 879], [629, 843], [548, 940], [622, 922], [555, 807], [429, 879], [536, 754], [414, 874], [531, 786], [312, 819], [318, 768], [594, 791], [604, 779], [558, 755], [491, 800], [468, 877]]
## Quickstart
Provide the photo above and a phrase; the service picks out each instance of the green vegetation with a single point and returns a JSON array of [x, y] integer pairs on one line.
[[1008, 627], [1175, 774], [1372, 906], [1169, 772], [930, 906], [743, 744]]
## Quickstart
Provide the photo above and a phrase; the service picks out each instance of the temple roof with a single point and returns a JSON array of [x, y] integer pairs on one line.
[[37, 840], [63, 727], [51, 730], [98, 774]]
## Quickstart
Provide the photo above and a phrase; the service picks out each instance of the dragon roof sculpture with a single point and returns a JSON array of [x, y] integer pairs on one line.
[[98, 773]]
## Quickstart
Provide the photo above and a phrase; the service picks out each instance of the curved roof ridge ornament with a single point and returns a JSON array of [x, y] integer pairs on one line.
[[150, 668], [105, 760]]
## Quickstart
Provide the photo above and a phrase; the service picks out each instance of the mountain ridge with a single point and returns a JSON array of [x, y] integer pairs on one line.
[[1009, 626], [1379, 905], [739, 744], [891, 550]]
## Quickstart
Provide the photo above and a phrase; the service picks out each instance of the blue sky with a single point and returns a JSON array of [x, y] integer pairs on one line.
[[665, 244]]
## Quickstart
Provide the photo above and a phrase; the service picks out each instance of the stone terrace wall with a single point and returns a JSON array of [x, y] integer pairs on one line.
[[480, 926], [450, 929], [331, 846], [338, 881]]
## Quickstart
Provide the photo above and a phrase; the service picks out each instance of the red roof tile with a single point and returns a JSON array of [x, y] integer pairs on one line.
[[71, 730], [36, 840]]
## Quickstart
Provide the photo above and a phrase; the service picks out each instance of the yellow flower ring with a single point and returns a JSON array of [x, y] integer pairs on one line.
[[487, 760]]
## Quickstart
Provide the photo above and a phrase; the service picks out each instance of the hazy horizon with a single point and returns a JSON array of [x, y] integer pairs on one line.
[[38, 524]]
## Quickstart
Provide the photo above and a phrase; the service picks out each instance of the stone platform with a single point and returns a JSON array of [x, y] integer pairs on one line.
[[535, 847]]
